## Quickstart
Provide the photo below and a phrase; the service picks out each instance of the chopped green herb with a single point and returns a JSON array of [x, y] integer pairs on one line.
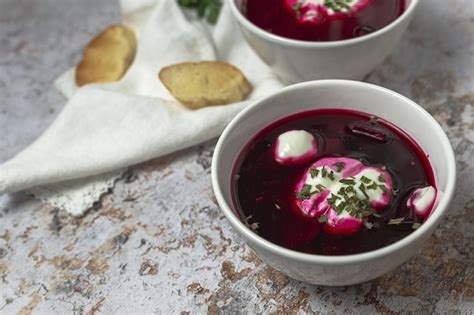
[[347, 181], [416, 226], [320, 187], [324, 172], [313, 172], [373, 186], [209, 9], [297, 5], [395, 221], [331, 175], [353, 197], [337, 5], [381, 178], [323, 219], [362, 189], [252, 226], [368, 225], [332, 200], [342, 192], [373, 121], [350, 190], [339, 207], [305, 192], [339, 166], [384, 189]]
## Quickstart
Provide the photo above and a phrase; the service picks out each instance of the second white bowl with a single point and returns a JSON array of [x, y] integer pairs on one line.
[[297, 61]]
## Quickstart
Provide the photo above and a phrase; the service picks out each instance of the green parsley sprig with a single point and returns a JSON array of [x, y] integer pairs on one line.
[[338, 5], [208, 9], [252, 226]]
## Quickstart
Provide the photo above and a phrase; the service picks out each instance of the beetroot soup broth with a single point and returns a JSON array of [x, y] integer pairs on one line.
[[323, 20], [333, 182]]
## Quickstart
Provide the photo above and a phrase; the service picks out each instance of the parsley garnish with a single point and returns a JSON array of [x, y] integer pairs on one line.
[[337, 5], [342, 191], [305, 192], [351, 198], [252, 226], [297, 7], [373, 186], [332, 200], [362, 188], [368, 225], [347, 181], [396, 221], [323, 219], [339, 166], [209, 9], [384, 189], [416, 226], [320, 187], [350, 190], [324, 172]]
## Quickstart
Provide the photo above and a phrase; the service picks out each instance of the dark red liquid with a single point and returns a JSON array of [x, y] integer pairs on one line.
[[275, 17], [264, 189]]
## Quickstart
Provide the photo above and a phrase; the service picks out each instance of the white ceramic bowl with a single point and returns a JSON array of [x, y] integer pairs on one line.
[[404, 113], [297, 61]]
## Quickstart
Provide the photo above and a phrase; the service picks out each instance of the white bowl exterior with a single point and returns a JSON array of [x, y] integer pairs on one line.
[[338, 274], [350, 269], [350, 59]]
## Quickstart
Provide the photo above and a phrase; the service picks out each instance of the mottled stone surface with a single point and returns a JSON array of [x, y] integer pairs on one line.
[[159, 243]]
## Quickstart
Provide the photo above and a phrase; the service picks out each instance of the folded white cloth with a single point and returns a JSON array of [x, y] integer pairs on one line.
[[105, 127]]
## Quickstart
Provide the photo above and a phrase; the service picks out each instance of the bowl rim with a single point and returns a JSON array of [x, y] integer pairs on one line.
[[425, 228], [313, 44]]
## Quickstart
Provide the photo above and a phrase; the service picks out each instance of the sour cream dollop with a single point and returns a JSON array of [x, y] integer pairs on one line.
[[342, 193], [294, 147], [315, 11], [421, 200]]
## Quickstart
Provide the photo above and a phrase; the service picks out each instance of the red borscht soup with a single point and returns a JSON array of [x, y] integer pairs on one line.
[[333, 182], [323, 20]]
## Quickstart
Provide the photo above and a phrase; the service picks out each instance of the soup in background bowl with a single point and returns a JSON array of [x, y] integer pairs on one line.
[[324, 50], [323, 20]]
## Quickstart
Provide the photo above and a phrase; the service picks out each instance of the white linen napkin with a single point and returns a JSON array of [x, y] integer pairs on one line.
[[106, 127]]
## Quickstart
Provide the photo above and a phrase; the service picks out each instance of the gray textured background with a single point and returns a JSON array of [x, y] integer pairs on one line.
[[158, 242]]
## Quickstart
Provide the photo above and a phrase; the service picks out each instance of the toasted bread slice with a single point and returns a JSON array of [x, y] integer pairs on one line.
[[107, 56], [205, 83]]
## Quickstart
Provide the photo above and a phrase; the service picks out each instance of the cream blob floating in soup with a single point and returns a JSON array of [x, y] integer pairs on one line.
[[295, 146], [323, 20], [333, 182]]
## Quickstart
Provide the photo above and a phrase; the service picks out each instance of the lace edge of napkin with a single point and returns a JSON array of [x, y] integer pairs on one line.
[[78, 196]]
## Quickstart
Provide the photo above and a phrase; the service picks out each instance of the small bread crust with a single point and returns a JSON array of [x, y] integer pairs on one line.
[[107, 56], [206, 83]]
